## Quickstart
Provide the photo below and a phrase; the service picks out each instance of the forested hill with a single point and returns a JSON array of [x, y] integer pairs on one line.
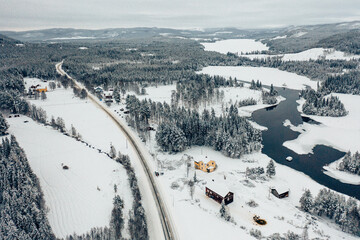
[[6, 40], [346, 42]]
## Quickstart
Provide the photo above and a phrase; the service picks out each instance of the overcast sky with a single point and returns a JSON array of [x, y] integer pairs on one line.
[[95, 14]]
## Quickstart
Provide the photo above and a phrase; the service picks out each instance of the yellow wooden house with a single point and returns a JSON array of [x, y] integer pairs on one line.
[[206, 167], [41, 89]]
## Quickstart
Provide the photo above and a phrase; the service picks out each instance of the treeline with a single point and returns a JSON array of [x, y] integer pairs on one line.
[[344, 83], [22, 206], [317, 104], [345, 213], [179, 128], [350, 163]]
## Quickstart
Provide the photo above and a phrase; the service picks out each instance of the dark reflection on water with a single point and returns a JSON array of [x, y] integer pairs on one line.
[[310, 164]]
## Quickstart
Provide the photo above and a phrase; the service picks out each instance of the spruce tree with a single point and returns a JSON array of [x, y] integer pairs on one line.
[[3, 125], [270, 169]]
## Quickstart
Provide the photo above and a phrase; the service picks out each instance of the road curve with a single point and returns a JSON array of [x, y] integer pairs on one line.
[[168, 229]]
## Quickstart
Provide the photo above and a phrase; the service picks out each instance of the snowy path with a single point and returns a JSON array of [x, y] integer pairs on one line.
[[147, 183]]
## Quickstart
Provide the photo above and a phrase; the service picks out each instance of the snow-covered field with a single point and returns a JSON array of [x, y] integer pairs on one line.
[[78, 198], [237, 46], [318, 53], [99, 130], [266, 75], [311, 54], [342, 133], [242, 46]]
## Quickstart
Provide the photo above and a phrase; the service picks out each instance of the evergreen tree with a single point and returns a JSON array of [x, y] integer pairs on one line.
[[3, 125], [224, 213], [270, 169], [306, 201], [112, 151]]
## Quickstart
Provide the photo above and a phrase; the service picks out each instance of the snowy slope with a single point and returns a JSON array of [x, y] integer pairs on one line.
[[235, 46], [266, 75], [78, 198]]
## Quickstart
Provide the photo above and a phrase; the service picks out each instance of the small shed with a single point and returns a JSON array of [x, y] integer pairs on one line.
[[219, 193], [280, 192]]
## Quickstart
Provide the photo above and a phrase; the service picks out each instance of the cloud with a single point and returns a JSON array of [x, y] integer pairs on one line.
[[36, 14]]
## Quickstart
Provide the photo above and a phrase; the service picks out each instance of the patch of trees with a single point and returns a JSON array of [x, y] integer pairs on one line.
[[344, 83], [3, 125], [137, 221], [269, 97], [231, 134], [346, 42], [22, 206], [201, 89], [318, 104], [350, 163], [345, 213]]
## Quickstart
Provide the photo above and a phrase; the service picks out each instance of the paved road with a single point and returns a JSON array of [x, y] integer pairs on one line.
[[166, 223]]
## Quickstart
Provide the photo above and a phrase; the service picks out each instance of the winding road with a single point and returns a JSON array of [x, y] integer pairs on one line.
[[167, 225]]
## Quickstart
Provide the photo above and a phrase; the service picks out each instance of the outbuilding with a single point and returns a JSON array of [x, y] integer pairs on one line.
[[219, 193]]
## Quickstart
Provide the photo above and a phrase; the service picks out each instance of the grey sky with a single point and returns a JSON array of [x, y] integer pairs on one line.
[[95, 14]]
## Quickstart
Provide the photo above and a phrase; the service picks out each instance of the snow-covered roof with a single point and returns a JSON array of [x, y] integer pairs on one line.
[[218, 186], [281, 189]]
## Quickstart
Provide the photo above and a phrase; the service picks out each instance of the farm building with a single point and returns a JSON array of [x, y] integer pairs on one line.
[[206, 167], [283, 192], [36, 88], [219, 193]]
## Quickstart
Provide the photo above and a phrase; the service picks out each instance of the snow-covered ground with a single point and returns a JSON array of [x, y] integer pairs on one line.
[[318, 53], [266, 75], [99, 130], [237, 46], [78, 198], [203, 212], [311, 54], [231, 96], [345, 177], [342, 133]]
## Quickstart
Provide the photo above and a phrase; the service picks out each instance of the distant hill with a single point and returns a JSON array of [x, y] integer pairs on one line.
[[6, 40], [296, 39]]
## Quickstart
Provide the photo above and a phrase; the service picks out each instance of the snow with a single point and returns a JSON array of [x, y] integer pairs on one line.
[[345, 177], [72, 38], [299, 34], [266, 75], [318, 53], [78, 198], [281, 214], [219, 187], [99, 130], [83, 48], [342, 133], [279, 37], [310, 54], [157, 93], [235, 46]]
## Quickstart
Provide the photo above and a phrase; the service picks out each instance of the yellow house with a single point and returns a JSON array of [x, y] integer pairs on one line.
[[206, 167], [40, 89]]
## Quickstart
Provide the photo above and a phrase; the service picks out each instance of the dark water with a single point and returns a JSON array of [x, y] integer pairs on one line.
[[277, 134]]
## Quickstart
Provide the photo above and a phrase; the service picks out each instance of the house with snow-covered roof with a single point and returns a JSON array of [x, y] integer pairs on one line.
[[219, 192], [280, 192], [206, 167]]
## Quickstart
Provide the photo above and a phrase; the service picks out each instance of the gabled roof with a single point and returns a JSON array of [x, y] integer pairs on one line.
[[281, 189], [218, 186]]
